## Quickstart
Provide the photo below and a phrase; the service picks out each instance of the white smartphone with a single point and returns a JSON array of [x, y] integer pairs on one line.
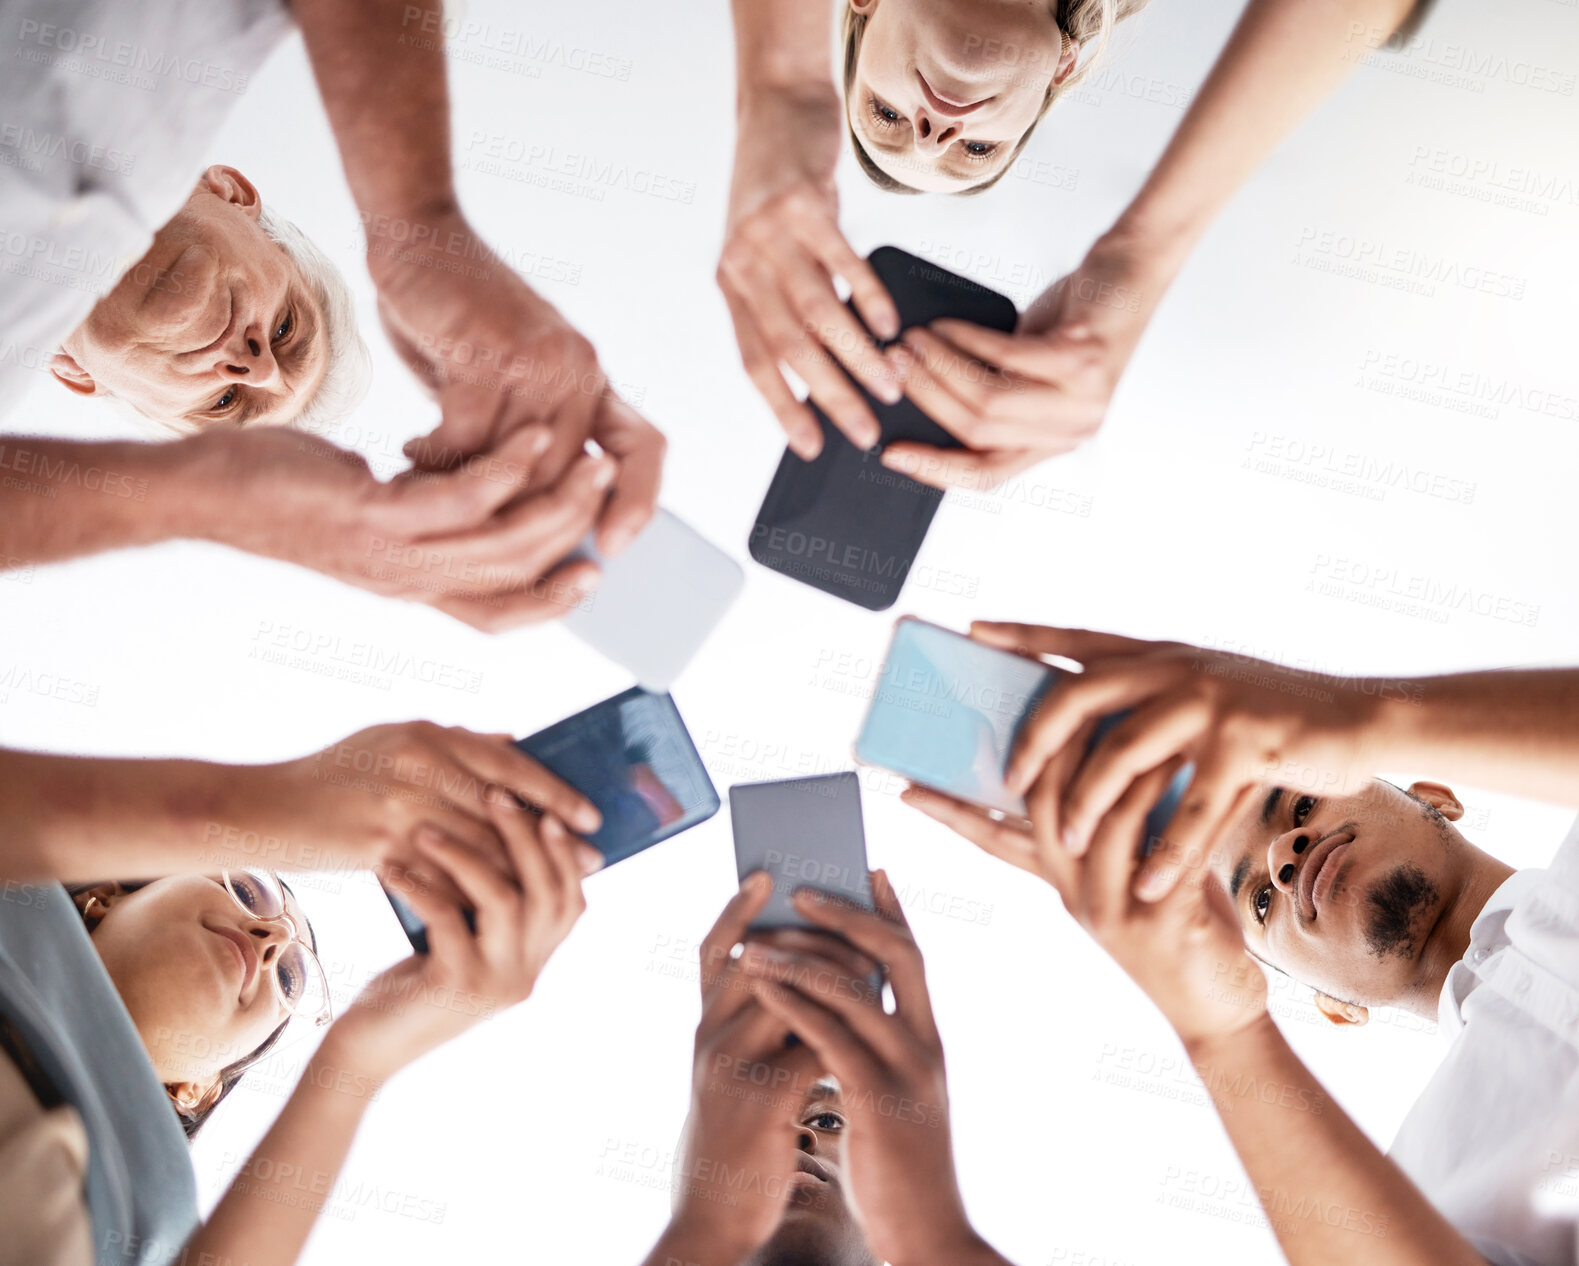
[[658, 602], [806, 833]]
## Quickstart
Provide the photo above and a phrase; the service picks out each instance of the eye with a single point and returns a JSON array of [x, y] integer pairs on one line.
[[1261, 902], [225, 401], [979, 149], [293, 980], [284, 329], [826, 1121], [248, 891], [1303, 807], [883, 115]]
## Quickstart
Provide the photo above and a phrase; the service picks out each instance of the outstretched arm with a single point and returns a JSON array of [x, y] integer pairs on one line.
[[496, 354], [1058, 371], [1329, 1195]]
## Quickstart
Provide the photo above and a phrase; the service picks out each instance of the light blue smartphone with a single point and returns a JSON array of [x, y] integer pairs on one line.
[[947, 711]]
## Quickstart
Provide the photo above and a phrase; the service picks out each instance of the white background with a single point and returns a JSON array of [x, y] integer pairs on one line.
[[1078, 1130]]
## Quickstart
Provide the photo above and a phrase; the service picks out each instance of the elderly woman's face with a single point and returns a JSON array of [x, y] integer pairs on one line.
[[194, 971], [944, 89], [214, 324]]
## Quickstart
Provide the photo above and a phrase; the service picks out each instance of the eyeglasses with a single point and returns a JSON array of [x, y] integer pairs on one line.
[[299, 979]]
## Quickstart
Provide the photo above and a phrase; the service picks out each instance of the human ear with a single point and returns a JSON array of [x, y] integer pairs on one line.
[[1439, 798], [1341, 1012], [864, 7], [71, 375], [193, 1097], [1069, 54], [229, 185], [95, 902]]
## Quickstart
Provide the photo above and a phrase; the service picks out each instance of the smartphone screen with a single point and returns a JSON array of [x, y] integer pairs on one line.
[[806, 833], [659, 599], [634, 759], [946, 712]]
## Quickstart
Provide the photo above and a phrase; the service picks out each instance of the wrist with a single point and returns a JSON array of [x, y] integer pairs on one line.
[[1217, 1048], [1154, 247], [397, 230]]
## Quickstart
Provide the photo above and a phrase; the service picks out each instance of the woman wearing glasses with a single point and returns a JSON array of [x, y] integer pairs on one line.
[[129, 1010]]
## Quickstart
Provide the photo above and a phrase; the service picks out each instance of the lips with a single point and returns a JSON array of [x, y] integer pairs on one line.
[[244, 952], [1320, 871], [805, 1164]]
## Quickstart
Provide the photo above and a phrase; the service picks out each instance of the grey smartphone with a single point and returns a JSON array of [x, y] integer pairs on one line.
[[658, 601], [806, 833]]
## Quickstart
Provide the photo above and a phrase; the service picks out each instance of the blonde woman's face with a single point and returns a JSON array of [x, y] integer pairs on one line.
[[944, 89]]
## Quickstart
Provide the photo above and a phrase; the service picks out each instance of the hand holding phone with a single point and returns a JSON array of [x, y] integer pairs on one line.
[[948, 710], [630, 755], [805, 833]]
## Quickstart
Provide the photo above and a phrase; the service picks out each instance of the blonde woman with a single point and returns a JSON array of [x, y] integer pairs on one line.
[[940, 96]]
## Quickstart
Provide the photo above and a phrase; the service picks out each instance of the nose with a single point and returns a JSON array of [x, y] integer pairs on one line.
[[1283, 858], [248, 358], [932, 134], [806, 1141], [271, 937]]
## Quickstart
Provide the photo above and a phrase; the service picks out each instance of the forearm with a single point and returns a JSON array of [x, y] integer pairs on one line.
[[1283, 58], [381, 71], [62, 499], [266, 1216], [1331, 1197], [783, 45], [76, 819], [1514, 730]]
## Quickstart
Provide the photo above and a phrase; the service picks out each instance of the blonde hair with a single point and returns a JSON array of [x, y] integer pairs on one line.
[[1087, 23]]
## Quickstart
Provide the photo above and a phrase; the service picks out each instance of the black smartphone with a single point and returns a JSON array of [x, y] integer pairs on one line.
[[634, 759], [806, 833], [843, 522]]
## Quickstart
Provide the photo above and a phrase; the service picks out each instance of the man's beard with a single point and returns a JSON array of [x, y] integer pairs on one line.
[[1393, 906]]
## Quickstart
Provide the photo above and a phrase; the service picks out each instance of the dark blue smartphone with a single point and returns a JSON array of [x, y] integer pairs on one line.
[[634, 759]]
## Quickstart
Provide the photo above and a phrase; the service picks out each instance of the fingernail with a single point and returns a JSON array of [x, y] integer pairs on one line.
[[1152, 884], [1015, 780], [1072, 841], [588, 818], [603, 476], [539, 444], [1078, 330], [591, 861], [617, 539], [428, 837], [888, 324], [810, 896], [912, 344], [757, 881], [888, 391]]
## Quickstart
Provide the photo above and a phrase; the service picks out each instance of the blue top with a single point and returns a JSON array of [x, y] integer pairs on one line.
[[60, 1001]]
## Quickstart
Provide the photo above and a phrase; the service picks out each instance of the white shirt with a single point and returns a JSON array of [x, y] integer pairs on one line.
[[106, 111], [1494, 1140]]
